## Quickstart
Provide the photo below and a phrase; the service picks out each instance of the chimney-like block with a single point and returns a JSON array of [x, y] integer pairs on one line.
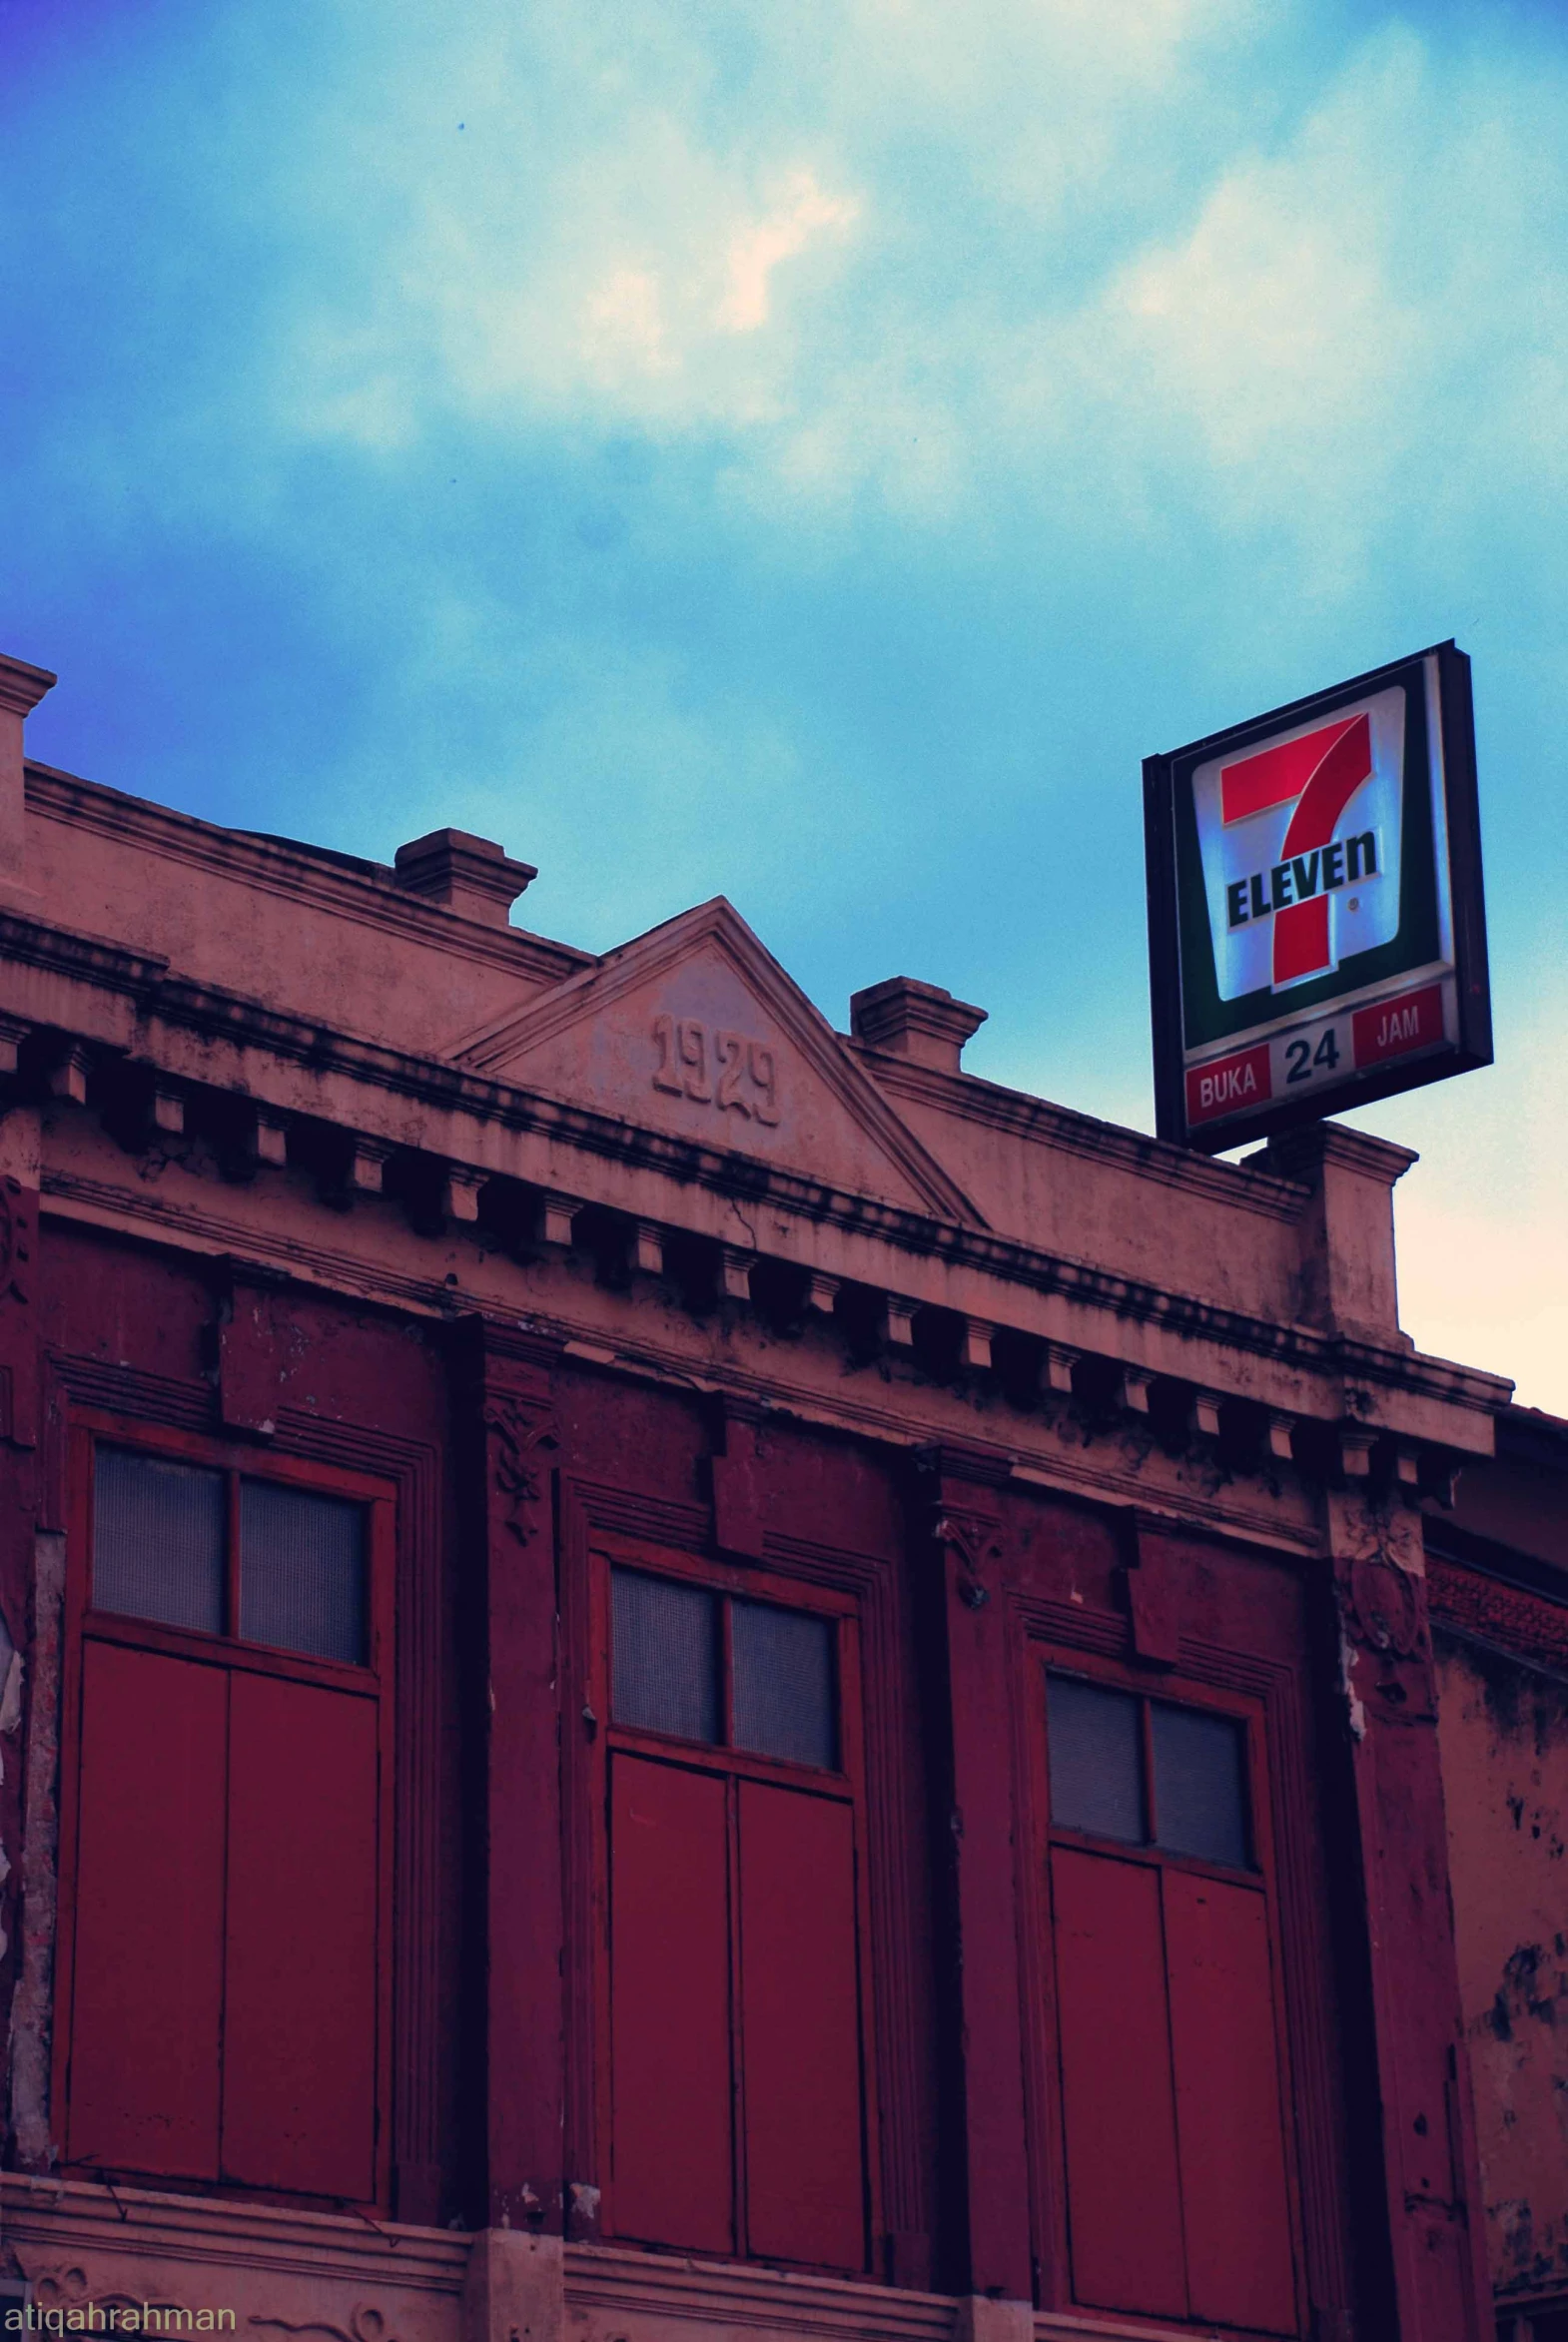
[[21, 689], [471, 876], [1347, 1230], [921, 1021]]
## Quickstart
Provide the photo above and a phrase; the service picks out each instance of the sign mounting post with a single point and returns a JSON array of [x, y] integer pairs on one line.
[[1317, 924]]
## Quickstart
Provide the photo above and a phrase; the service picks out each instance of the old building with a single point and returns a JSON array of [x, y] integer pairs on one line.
[[1497, 1565], [677, 1672]]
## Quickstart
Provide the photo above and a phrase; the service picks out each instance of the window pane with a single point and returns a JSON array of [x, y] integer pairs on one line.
[[783, 1683], [1199, 1800], [302, 1571], [664, 1656], [1095, 1772], [158, 1540]]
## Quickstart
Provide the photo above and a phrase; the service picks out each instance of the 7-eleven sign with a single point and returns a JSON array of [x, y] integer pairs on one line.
[[1317, 928], [1300, 848]]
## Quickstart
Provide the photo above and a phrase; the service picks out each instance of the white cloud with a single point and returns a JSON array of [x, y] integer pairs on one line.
[[759, 248], [1360, 322], [604, 221], [625, 323]]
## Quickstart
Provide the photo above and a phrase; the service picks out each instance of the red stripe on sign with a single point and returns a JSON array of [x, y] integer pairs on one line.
[[1229, 1085], [1413, 1020], [1322, 772], [1274, 775], [1301, 931]]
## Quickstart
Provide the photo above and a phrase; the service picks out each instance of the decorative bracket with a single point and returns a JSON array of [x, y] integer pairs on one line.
[[521, 1437]]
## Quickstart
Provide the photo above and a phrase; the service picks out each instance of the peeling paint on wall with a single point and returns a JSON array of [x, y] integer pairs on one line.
[[31, 2008], [1504, 1731], [10, 1718]]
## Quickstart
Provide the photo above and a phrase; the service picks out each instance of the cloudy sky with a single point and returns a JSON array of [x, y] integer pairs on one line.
[[811, 452]]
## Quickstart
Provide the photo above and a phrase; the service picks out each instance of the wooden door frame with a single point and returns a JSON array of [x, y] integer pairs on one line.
[[376, 1679]]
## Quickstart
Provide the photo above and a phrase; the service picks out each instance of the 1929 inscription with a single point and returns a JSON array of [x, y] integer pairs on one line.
[[728, 1070]]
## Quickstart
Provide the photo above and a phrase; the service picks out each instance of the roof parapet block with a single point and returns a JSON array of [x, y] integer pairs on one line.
[[921, 1021], [468, 875], [21, 689], [1349, 1283]]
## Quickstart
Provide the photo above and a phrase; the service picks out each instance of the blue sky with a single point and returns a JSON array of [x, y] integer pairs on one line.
[[812, 453]]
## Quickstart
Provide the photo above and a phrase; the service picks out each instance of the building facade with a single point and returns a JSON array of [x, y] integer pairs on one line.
[[1497, 1566], [671, 1671]]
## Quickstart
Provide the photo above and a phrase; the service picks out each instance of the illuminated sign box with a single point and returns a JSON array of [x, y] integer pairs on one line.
[[1317, 928]]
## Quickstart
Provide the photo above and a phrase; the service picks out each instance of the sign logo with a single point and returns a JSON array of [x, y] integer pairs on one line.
[[1300, 847], [1316, 929], [1336, 761]]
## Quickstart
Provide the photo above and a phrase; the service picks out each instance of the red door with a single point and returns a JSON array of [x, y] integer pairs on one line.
[[223, 1894], [148, 2004], [299, 2107], [801, 2028], [670, 1964]]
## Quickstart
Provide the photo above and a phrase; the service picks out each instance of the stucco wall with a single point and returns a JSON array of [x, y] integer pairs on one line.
[[1504, 1731]]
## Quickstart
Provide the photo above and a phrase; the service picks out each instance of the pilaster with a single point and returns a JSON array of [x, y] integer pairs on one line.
[[976, 1885], [508, 1451], [20, 1400], [1432, 2189]]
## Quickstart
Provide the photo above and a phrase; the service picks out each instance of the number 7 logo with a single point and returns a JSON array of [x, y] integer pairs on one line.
[[1319, 773]]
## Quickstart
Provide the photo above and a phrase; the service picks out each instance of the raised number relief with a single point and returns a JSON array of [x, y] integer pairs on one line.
[[727, 1071]]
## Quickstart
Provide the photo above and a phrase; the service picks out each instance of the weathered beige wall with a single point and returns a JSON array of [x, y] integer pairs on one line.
[[1504, 1731]]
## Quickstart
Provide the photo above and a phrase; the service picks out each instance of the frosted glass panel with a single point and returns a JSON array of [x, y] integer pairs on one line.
[[784, 1689], [664, 1656], [1095, 1772], [1199, 1794], [302, 1571], [158, 1540]]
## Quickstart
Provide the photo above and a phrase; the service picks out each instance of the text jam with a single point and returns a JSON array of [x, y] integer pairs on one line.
[[1327, 867], [1391, 1029]]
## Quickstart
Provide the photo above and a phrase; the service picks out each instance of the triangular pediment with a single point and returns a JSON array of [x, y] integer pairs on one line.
[[695, 1030]]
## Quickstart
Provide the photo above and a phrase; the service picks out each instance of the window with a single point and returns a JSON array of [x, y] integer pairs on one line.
[[190, 1547], [1177, 2190], [1183, 1790], [735, 2103], [678, 1649], [222, 1996]]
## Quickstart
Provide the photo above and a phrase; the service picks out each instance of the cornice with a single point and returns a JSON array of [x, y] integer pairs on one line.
[[863, 1405], [1530, 1436], [1510, 1565], [244, 1023], [176, 1003], [1311, 1145], [92, 959], [339, 885], [969, 1098], [22, 686]]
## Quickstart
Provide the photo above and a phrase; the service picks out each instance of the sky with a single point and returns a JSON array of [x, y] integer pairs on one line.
[[813, 454]]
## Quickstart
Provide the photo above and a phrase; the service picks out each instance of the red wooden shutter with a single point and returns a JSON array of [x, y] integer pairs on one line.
[[1118, 2112], [805, 2178], [301, 1979], [670, 2016], [1227, 2104], [148, 1957]]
